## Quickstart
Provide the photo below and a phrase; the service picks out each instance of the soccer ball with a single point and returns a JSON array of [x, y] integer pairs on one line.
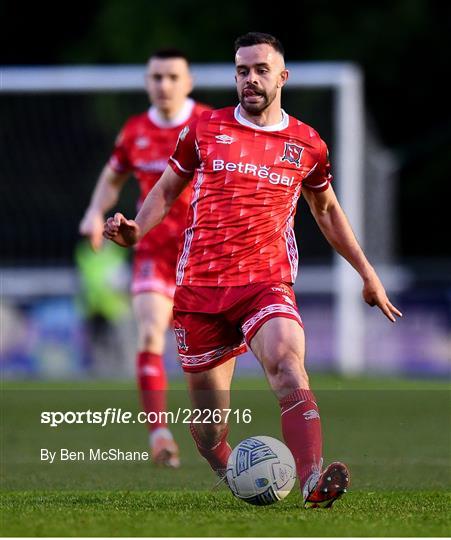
[[261, 470]]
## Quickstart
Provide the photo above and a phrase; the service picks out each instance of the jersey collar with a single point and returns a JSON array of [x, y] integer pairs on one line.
[[183, 115], [275, 127]]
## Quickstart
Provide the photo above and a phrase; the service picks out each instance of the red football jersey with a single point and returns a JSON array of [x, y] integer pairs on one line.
[[143, 148], [246, 183]]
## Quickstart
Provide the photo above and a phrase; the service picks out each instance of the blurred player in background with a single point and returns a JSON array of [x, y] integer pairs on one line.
[[142, 149], [239, 261]]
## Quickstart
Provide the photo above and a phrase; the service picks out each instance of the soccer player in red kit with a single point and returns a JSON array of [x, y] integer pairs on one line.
[[142, 149], [248, 166]]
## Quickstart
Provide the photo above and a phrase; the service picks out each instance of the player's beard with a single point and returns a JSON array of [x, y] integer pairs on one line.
[[264, 103]]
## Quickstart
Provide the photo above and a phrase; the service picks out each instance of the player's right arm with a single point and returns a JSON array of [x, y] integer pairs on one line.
[[104, 197], [127, 232]]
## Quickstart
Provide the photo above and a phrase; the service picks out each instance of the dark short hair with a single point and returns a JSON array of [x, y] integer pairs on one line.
[[169, 52], [258, 38]]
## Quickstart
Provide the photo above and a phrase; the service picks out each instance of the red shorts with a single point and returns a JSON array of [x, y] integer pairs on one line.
[[213, 324], [153, 274]]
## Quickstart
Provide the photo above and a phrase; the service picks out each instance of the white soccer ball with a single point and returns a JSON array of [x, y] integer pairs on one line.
[[261, 470]]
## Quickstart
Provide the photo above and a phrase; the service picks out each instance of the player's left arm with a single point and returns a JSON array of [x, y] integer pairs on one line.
[[336, 228]]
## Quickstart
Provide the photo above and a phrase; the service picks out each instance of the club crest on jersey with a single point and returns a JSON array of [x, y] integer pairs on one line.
[[293, 153], [180, 336]]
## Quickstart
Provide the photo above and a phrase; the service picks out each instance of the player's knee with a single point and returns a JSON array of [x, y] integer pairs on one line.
[[150, 338], [287, 372]]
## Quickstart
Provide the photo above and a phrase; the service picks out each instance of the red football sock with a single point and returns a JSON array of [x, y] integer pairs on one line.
[[301, 428], [152, 384], [216, 456]]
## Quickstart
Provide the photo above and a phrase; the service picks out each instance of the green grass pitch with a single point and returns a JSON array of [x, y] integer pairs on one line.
[[393, 434]]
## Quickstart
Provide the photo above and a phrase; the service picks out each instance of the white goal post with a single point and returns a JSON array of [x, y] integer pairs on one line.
[[346, 82]]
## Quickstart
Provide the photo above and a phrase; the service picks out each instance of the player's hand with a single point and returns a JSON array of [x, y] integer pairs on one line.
[[374, 294], [122, 231], [91, 226]]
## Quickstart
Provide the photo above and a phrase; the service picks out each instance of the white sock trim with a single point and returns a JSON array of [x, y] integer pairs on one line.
[[292, 407]]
